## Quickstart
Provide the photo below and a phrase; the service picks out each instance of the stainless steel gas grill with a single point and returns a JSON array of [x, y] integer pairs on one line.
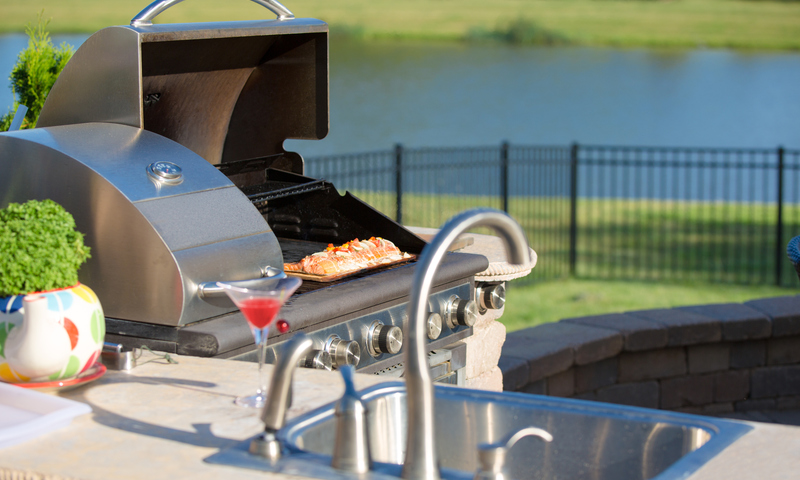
[[165, 142]]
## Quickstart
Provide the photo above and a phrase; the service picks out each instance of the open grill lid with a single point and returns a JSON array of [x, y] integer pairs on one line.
[[227, 91]]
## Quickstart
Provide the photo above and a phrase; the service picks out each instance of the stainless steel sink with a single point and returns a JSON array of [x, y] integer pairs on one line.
[[591, 440]]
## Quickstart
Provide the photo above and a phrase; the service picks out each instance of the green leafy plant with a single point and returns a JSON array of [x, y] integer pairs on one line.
[[35, 72], [40, 249]]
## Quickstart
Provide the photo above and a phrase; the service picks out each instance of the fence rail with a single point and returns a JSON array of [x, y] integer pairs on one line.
[[640, 213]]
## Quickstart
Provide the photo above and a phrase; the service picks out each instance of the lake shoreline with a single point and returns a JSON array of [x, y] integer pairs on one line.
[[719, 24], [671, 46]]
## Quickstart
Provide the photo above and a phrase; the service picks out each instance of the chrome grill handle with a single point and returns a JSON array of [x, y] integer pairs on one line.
[[269, 274], [146, 16], [277, 8]]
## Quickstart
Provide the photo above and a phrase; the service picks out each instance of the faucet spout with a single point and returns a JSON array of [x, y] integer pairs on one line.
[[279, 396], [421, 461]]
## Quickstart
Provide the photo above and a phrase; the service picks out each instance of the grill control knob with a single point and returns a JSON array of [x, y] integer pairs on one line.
[[318, 359], [343, 352], [491, 296], [460, 312], [434, 325], [384, 339]]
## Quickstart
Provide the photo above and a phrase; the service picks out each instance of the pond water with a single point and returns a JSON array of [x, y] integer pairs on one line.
[[461, 95]]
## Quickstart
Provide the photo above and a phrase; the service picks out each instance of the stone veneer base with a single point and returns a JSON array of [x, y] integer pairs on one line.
[[484, 348]]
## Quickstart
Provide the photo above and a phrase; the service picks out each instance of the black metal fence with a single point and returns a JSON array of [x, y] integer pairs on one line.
[[666, 214]]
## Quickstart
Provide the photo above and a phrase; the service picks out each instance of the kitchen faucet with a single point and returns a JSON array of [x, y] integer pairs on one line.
[[279, 396], [421, 461]]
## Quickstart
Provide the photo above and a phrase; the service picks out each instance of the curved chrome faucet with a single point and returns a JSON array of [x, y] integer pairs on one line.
[[421, 460], [279, 397]]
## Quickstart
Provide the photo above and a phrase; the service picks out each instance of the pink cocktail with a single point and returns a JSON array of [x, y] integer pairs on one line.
[[260, 312], [260, 307]]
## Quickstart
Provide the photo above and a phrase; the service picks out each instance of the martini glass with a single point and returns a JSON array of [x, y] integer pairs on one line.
[[260, 305]]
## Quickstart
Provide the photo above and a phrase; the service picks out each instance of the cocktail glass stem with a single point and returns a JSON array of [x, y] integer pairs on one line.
[[263, 334], [259, 398]]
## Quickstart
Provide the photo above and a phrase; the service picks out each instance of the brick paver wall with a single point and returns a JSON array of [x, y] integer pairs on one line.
[[698, 359]]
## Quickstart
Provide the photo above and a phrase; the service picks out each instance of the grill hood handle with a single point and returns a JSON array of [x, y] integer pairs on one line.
[[146, 16], [211, 290]]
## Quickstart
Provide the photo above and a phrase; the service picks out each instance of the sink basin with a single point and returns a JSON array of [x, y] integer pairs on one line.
[[591, 440]]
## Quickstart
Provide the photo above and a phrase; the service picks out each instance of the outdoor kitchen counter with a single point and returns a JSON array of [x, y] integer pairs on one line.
[[161, 420]]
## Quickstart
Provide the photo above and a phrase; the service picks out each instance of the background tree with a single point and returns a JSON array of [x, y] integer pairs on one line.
[[35, 72]]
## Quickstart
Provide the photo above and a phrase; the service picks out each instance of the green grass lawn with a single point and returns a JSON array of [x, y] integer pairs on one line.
[[681, 23], [664, 243], [534, 304]]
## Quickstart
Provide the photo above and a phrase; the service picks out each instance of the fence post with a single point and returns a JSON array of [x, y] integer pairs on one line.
[[780, 248], [504, 174], [573, 208], [398, 179]]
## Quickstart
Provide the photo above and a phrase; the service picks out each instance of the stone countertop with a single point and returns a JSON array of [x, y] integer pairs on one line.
[[768, 451], [161, 420]]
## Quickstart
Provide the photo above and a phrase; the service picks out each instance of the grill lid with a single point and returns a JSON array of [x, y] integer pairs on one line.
[[227, 91]]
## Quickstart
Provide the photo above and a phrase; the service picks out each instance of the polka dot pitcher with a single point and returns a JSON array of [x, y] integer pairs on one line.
[[51, 335]]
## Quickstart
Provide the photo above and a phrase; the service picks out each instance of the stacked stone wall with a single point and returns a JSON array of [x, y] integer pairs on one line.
[[706, 359]]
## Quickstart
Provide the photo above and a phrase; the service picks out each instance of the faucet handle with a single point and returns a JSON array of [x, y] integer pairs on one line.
[[351, 445], [492, 456]]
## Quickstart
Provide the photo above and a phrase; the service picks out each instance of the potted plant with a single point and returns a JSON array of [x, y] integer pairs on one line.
[[51, 326]]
